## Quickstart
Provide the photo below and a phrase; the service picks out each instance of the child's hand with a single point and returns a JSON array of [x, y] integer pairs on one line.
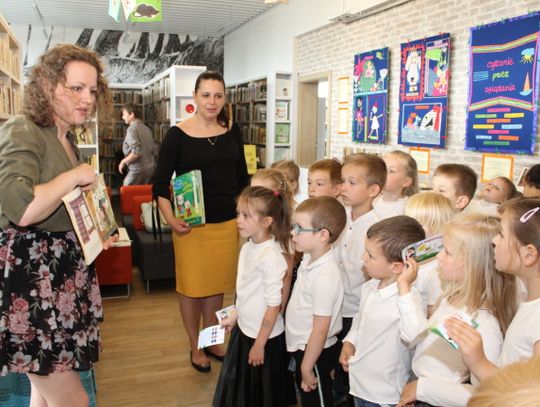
[[408, 395], [407, 276], [309, 381], [256, 355], [229, 322], [347, 351], [468, 339]]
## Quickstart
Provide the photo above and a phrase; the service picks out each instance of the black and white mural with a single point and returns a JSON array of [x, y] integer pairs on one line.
[[129, 56]]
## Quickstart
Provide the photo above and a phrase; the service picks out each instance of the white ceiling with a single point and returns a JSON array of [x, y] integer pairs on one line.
[[195, 17]]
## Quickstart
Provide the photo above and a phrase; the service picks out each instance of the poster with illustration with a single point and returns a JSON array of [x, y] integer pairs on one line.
[[423, 91], [370, 90], [503, 86]]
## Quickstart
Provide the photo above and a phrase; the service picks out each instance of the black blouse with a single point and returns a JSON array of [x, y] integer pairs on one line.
[[221, 161]]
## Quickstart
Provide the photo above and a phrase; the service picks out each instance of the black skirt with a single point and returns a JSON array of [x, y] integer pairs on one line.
[[242, 385], [50, 303]]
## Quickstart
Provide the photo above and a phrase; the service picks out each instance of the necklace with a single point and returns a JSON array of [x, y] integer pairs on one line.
[[212, 143]]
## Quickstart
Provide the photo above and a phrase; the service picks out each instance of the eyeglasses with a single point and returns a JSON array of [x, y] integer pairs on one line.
[[296, 228]]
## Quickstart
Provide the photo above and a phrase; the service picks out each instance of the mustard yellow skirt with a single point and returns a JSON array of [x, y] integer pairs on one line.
[[206, 259]]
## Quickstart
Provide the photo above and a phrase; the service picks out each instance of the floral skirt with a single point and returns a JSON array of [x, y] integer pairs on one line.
[[50, 303]]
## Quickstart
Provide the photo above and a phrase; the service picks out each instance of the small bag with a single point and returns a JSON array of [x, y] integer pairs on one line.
[[149, 218]]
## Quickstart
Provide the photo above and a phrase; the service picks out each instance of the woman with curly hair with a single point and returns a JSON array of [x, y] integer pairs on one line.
[[50, 303]]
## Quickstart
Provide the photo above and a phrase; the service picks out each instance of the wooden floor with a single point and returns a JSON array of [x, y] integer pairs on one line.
[[145, 358]]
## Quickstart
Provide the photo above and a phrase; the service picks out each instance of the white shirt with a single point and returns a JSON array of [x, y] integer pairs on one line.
[[438, 366], [261, 268], [318, 291], [380, 366], [428, 282], [349, 252], [482, 206], [387, 209], [522, 334]]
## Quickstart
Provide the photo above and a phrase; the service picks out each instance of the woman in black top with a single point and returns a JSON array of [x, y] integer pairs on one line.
[[205, 256]]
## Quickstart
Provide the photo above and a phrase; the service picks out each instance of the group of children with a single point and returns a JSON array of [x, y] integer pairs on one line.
[[359, 316]]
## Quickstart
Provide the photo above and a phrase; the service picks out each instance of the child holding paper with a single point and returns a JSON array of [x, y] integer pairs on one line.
[[254, 371]]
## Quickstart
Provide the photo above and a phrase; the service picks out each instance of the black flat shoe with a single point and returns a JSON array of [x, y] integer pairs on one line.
[[197, 367], [209, 353]]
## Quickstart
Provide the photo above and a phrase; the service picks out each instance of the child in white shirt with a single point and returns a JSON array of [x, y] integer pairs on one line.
[[254, 371], [377, 359], [313, 316], [401, 183], [517, 253], [474, 287]]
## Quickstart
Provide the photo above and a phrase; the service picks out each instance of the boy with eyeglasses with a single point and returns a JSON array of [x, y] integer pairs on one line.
[[313, 317]]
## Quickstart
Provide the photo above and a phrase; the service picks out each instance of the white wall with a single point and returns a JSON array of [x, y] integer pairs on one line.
[[332, 48], [265, 44]]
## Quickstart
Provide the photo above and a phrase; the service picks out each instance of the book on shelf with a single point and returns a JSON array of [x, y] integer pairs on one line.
[[259, 112], [188, 197], [92, 217], [281, 154], [283, 88], [282, 133], [84, 135], [282, 110], [250, 153]]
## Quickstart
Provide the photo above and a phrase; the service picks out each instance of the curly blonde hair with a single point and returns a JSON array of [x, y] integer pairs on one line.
[[51, 71]]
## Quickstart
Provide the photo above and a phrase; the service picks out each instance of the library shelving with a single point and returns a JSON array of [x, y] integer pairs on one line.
[[262, 107], [111, 138], [10, 72], [87, 140], [168, 98]]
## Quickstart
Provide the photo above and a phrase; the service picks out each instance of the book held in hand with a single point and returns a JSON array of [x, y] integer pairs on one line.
[[92, 217], [188, 197], [424, 249]]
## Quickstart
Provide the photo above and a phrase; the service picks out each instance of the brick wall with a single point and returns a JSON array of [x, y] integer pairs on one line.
[[332, 48]]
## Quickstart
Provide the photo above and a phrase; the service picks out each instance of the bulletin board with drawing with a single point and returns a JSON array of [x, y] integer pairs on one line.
[[503, 83], [423, 91]]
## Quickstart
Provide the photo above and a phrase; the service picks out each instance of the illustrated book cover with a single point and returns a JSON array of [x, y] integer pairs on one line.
[[92, 217], [188, 197]]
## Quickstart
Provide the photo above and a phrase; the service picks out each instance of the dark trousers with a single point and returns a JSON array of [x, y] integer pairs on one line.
[[326, 362], [341, 378]]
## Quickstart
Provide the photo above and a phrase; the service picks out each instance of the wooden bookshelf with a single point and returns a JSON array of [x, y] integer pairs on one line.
[[10, 72], [262, 107]]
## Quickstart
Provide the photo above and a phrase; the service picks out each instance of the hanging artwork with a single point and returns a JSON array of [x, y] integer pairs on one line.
[[423, 92], [370, 90], [503, 86]]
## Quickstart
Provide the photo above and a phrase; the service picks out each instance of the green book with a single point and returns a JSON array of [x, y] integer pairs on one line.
[[188, 197]]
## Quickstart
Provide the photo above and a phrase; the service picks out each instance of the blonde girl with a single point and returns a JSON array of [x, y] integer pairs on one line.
[[273, 179], [291, 171], [254, 371], [517, 253], [471, 285], [401, 183], [433, 211]]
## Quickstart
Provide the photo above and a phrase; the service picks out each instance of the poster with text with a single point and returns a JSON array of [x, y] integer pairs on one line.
[[370, 90], [423, 91], [503, 86]]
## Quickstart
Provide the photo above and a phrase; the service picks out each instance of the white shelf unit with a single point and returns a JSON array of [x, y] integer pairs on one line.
[[86, 138], [262, 108], [111, 137], [168, 98], [10, 72]]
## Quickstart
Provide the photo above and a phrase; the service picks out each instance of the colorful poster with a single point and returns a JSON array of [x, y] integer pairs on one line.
[[503, 86], [114, 9], [423, 91], [141, 11], [370, 94]]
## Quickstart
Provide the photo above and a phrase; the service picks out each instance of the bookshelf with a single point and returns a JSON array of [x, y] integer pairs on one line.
[[168, 98], [10, 72], [262, 107], [86, 137], [111, 138]]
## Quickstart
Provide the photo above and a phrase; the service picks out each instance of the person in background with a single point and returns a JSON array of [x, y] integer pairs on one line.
[[457, 182], [532, 182], [50, 301], [324, 178], [292, 174], [494, 193], [139, 149], [206, 256], [401, 183]]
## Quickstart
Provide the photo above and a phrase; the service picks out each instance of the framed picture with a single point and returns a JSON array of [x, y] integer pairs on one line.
[[343, 89], [496, 165], [422, 158]]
